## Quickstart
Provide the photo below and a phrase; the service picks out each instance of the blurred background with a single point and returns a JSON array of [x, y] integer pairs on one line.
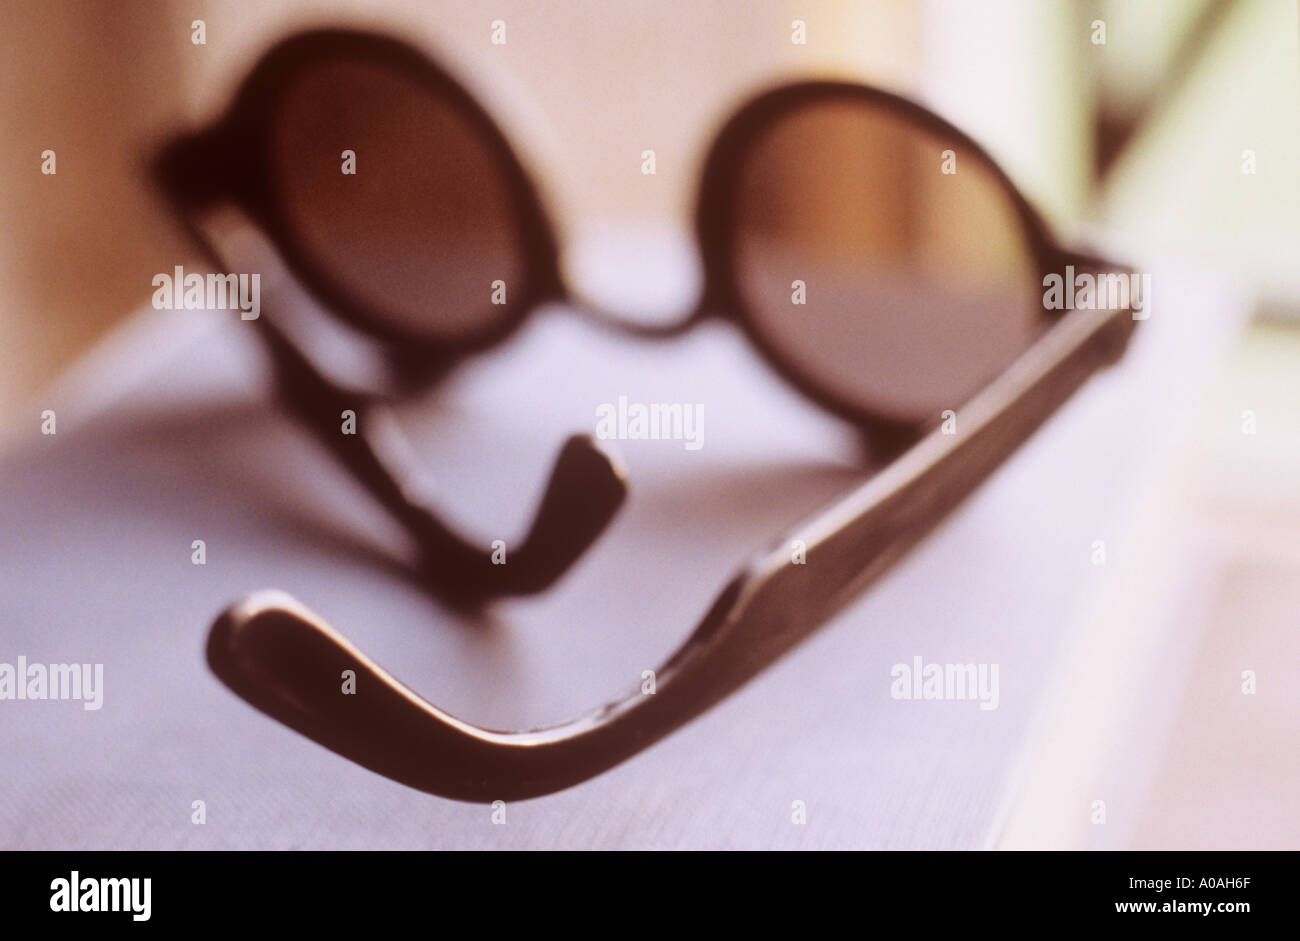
[[1164, 129]]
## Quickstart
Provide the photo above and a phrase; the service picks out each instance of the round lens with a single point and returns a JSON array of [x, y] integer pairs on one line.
[[881, 263], [397, 199]]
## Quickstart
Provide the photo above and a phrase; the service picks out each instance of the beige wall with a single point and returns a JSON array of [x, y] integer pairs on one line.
[[77, 249]]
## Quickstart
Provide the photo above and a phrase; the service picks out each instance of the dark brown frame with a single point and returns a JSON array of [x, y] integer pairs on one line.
[[283, 659]]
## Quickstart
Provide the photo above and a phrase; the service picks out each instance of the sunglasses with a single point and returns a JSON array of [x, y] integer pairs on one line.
[[875, 256]]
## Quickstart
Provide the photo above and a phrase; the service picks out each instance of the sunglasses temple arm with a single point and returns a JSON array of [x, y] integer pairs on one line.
[[585, 490], [287, 661]]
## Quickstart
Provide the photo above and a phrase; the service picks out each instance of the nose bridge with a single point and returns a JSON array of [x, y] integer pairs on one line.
[[644, 273]]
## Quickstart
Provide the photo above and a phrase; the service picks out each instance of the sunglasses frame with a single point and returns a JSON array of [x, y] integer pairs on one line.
[[232, 160], [716, 226], [285, 660]]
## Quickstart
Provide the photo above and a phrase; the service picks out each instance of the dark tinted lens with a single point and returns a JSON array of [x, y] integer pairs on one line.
[[417, 236], [920, 285]]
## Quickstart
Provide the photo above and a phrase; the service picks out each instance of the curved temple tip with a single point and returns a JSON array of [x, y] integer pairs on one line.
[[236, 645], [283, 659], [586, 487], [290, 664], [584, 458], [585, 491]]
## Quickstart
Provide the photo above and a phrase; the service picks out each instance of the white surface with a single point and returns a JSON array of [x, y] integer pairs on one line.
[[95, 567], [1093, 738]]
